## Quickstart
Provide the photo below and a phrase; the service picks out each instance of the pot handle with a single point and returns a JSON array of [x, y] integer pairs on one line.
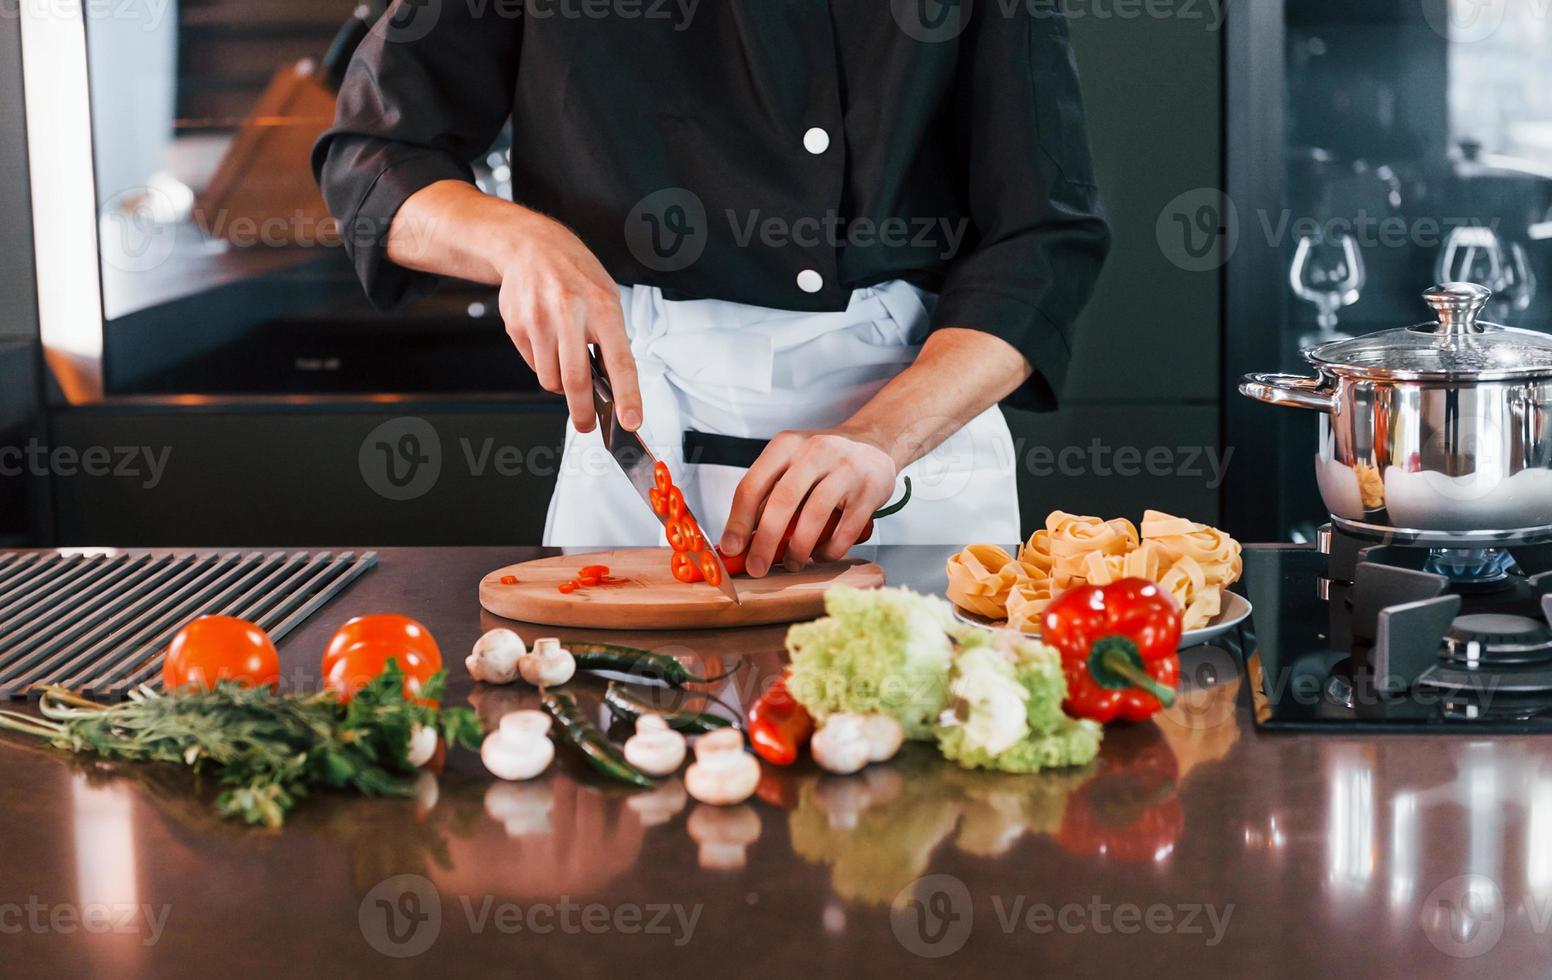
[[1293, 390]]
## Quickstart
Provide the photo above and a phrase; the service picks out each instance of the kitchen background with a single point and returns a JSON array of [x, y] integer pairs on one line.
[[247, 395]]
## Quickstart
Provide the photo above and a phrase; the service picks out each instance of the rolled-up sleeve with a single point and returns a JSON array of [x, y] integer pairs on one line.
[[420, 99], [1039, 232]]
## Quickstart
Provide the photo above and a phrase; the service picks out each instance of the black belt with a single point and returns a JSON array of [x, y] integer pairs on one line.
[[720, 450]]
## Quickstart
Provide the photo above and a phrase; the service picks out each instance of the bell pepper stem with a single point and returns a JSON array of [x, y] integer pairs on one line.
[[1116, 660]]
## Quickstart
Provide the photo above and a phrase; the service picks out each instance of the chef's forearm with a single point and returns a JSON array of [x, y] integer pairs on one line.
[[958, 375], [452, 228]]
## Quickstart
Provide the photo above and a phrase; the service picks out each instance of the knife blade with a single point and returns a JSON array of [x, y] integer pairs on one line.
[[637, 462]]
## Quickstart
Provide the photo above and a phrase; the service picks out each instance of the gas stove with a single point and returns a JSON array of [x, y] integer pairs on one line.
[[1383, 633]]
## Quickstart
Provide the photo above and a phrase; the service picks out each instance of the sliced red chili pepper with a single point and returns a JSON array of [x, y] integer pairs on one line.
[[599, 571], [589, 580], [566, 588], [684, 568], [661, 477], [675, 502], [509, 580], [659, 501], [709, 570]]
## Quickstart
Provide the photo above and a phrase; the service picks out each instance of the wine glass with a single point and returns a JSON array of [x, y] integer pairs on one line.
[[1328, 273]]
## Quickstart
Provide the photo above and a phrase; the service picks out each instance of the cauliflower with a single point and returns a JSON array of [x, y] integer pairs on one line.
[[877, 650], [1007, 708]]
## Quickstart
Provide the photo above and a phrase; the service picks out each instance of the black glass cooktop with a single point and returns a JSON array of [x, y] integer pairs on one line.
[[1358, 636]]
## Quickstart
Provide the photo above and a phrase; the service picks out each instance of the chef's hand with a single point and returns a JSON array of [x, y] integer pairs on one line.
[[812, 475], [556, 297]]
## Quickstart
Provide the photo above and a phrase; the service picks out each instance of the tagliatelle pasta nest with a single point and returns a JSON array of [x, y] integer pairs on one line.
[[1193, 562]]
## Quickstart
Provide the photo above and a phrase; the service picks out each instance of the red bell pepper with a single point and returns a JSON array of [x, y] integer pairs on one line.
[[778, 725], [1118, 644]]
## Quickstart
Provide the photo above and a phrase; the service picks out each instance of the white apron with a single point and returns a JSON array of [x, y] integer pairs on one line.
[[752, 372]]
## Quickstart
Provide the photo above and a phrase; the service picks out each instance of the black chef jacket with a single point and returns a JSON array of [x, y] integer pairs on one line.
[[779, 153]]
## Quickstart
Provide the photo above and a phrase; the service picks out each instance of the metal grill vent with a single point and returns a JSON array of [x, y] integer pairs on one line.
[[98, 623]]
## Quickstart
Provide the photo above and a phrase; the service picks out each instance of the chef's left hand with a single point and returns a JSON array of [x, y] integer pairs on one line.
[[810, 475]]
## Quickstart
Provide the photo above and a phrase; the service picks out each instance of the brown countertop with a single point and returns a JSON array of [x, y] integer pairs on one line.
[[1194, 847]]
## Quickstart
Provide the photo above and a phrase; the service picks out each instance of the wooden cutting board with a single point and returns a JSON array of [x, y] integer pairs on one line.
[[652, 599]]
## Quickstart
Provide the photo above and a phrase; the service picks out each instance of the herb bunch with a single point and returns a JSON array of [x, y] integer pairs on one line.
[[271, 750]]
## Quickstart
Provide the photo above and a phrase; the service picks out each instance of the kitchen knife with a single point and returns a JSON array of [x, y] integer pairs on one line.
[[637, 461]]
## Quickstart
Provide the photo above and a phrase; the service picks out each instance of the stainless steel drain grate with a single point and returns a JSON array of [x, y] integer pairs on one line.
[[98, 623]]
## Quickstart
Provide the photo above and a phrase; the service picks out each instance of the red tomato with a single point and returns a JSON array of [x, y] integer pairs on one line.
[[389, 628], [685, 568], [217, 648], [358, 665]]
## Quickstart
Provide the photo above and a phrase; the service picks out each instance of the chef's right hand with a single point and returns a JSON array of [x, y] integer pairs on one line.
[[556, 299]]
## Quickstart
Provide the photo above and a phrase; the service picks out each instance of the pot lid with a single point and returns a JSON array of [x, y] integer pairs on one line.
[[1457, 346]]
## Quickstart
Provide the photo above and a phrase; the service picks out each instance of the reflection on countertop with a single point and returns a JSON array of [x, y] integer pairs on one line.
[[1193, 840]]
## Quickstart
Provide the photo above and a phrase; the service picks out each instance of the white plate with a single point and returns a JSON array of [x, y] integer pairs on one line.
[[1236, 609]]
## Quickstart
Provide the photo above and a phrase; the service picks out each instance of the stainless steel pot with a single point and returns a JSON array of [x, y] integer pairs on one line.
[[1437, 431]]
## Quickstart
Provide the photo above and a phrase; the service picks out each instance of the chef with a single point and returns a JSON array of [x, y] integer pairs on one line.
[[814, 243]]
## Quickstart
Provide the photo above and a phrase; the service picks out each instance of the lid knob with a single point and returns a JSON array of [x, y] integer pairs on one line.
[[1457, 305]]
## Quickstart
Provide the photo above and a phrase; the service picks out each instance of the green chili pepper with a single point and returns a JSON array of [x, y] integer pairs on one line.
[[625, 705], [631, 660], [585, 737]]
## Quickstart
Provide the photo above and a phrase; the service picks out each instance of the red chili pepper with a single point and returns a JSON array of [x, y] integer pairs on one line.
[[778, 725], [1118, 644], [709, 569], [659, 501], [734, 563], [509, 580], [566, 588], [673, 499], [589, 580], [598, 571], [661, 477], [685, 568]]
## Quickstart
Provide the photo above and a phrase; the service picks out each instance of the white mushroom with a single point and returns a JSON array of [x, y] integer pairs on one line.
[[548, 664], [840, 746], [724, 835], [660, 805], [518, 724], [655, 749], [883, 735], [721, 740], [495, 657], [423, 745], [516, 756], [523, 809], [722, 777]]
